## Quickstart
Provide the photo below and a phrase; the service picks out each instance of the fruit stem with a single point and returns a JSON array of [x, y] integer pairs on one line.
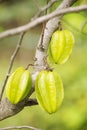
[[28, 66], [60, 26]]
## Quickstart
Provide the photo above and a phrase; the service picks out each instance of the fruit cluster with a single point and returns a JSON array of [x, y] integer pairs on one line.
[[48, 85]]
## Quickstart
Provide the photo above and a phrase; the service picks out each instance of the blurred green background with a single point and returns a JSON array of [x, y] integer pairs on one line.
[[73, 112]]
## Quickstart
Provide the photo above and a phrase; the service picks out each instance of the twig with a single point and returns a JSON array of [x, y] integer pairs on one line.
[[41, 19], [41, 10], [29, 66], [40, 46], [11, 63], [19, 127], [31, 102]]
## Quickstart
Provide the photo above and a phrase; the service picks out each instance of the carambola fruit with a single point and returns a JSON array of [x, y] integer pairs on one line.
[[60, 46], [49, 90], [18, 85]]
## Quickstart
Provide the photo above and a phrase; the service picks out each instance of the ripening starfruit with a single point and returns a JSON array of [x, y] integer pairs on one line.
[[49, 90], [18, 85], [60, 46]]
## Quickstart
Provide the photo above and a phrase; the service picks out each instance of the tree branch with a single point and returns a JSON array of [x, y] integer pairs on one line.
[[44, 8], [31, 102], [6, 108], [11, 64], [19, 127], [40, 20]]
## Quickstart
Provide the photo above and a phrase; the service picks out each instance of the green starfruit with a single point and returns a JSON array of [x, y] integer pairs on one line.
[[49, 90], [60, 47], [18, 85]]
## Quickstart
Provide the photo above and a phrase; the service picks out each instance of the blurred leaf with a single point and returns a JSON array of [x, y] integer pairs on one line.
[[72, 117], [76, 21], [1, 29], [82, 2]]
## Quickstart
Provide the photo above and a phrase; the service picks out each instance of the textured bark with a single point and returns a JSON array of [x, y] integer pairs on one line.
[[7, 109]]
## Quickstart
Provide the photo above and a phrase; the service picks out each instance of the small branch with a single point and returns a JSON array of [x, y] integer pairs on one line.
[[41, 10], [19, 127], [41, 19], [31, 102], [11, 64]]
